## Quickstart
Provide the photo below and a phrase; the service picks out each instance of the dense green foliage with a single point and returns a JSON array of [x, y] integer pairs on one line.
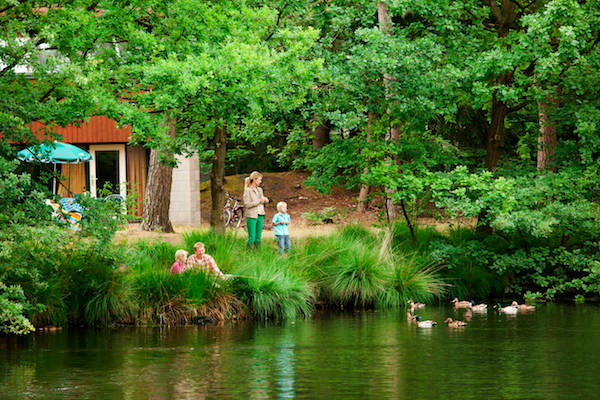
[[545, 228]]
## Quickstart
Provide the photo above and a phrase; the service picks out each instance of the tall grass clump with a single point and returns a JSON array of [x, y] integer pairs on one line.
[[358, 277], [271, 290], [113, 301], [413, 280], [357, 233], [152, 253], [359, 269], [169, 299]]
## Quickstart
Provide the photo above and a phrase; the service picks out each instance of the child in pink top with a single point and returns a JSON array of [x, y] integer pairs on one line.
[[180, 262]]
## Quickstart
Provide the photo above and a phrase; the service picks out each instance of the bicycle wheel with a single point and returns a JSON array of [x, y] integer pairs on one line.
[[236, 221], [226, 217]]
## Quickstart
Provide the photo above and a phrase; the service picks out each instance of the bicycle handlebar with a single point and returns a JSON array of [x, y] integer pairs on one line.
[[229, 196]]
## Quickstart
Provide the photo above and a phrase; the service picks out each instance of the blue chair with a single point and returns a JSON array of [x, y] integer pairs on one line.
[[115, 197]]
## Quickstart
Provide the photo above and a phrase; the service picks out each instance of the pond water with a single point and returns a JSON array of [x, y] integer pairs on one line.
[[552, 353]]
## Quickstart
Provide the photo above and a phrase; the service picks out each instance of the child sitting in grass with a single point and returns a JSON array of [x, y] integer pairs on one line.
[[281, 220], [180, 262]]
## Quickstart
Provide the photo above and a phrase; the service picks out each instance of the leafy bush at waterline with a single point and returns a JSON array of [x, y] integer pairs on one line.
[[74, 279], [545, 229], [13, 307]]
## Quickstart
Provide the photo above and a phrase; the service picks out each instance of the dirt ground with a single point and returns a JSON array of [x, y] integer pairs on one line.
[[133, 233], [288, 187]]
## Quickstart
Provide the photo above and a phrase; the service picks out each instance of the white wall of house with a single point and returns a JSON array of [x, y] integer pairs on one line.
[[185, 192]]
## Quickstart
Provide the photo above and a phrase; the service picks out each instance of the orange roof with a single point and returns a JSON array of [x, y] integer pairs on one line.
[[99, 129]]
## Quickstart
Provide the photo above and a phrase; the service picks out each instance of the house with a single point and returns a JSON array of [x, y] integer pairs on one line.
[[114, 161], [125, 168]]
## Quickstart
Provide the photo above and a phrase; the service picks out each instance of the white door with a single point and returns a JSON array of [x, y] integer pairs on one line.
[[108, 167]]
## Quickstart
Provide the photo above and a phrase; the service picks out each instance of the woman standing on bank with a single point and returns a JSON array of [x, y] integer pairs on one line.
[[254, 201]]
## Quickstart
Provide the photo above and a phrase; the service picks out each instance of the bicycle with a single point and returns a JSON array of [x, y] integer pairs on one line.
[[233, 214]]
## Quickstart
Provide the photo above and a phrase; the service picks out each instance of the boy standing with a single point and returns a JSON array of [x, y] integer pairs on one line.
[[281, 220]]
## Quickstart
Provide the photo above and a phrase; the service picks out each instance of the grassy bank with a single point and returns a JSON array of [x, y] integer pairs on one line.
[[73, 281], [351, 268], [54, 277]]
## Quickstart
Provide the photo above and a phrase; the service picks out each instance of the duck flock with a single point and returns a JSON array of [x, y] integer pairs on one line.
[[469, 306]]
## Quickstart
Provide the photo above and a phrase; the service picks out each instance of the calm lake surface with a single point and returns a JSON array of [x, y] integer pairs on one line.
[[553, 353]]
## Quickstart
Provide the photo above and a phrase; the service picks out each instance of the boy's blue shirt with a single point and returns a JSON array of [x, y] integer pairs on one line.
[[283, 228]]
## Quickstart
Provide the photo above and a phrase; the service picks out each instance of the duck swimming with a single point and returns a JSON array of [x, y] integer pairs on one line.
[[478, 307], [461, 304], [454, 324], [507, 309], [523, 307], [424, 324], [415, 306]]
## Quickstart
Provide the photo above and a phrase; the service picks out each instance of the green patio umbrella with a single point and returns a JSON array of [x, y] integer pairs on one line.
[[56, 152]]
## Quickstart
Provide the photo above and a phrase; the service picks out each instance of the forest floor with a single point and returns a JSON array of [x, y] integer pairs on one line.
[[288, 187]]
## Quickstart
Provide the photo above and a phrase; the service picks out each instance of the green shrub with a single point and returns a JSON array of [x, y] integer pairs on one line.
[[75, 279], [13, 310], [21, 199], [402, 240]]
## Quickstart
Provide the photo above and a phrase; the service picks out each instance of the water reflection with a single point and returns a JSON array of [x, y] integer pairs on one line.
[[547, 354]]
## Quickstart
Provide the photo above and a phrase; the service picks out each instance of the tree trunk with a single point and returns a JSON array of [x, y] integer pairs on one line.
[[547, 136], [362, 196], [495, 136], [157, 199], [407, 219], [505, 17], [385, 25], [392, 208], [495, 144], [217, 179], [364, 189], [384, 18], [320, 136]]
